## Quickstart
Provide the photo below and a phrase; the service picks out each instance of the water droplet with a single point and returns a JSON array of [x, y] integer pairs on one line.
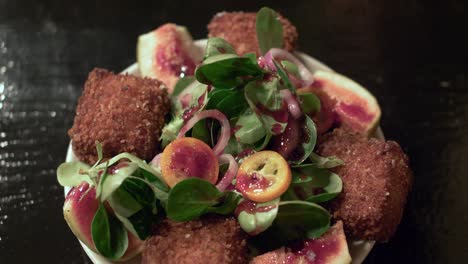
[[2, 70], [11, 64], [2, 87]]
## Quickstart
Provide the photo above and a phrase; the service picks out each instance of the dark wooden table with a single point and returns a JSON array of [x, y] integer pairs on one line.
[[411, 54]]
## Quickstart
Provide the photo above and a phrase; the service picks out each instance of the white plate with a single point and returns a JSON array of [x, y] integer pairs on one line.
[[358, 249]]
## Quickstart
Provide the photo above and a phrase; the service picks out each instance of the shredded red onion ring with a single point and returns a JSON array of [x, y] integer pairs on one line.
[[156, 160], [276, 53], [223, 139], [230, 173], [293, 105]]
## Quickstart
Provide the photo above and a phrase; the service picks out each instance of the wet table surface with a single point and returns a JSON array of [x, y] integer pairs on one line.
[[410, 54]]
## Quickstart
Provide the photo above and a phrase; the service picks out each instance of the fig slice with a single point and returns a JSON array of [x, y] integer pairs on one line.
[[167, 53], [330, 248], [344, 102], [79, 209]]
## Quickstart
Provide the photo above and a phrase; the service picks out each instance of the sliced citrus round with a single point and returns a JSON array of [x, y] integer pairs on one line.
[[352, 105], [188, 158], [263, 176]]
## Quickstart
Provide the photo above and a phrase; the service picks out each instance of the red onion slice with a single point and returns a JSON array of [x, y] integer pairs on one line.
[[156, 160], [215, 114], [280, 54], [293, 105], [230, 173]]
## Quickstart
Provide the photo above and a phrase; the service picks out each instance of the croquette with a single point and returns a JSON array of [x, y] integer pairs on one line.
[[238, 28], [124, 112], [208, 240], [376, 180]]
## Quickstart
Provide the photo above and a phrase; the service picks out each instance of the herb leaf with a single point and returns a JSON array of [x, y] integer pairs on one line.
[[314, 185], [68, 174], [310, 103], [228, 205], [297, 219], [108, 234], [258, 221], [250, 129], [217, 46], [227, 71], [309, 141], [284, 77], [181, 84], [191, 198], [230, 102], [269, 30]]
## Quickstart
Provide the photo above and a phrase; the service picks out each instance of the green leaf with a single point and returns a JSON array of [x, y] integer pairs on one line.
[[284, 78], [250, 129], [227, 71], [217, 46], [230, 102], [290, 68], [181, 84], [310, 103], [110, 184], [228, 204], [269, 30], [299, 219], [171, 130], [314, 185], [252, 56], [200, 131], [258, 221], [68, 174], [325, 162], [319, 162], [309, 137], [133, 204], [102, 179], [123, 203], [266, 95], [191, 198], [108, 234]]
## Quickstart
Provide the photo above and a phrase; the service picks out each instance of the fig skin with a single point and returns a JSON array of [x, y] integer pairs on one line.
[[167, 54], [79, 209], [344, 103]]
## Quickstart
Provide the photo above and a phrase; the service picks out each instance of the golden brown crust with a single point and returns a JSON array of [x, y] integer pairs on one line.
[[124, 112], [376, 181], [238, 28], [209, 240]]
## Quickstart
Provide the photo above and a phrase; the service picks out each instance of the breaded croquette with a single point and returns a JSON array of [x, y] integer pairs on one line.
[[124, 112], [208, 240], [238, 28], [376, 180]]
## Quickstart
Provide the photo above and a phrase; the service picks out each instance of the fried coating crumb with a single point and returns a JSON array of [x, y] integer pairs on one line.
[[209, 240], [238, 28], [376, 181], [124, 112]]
